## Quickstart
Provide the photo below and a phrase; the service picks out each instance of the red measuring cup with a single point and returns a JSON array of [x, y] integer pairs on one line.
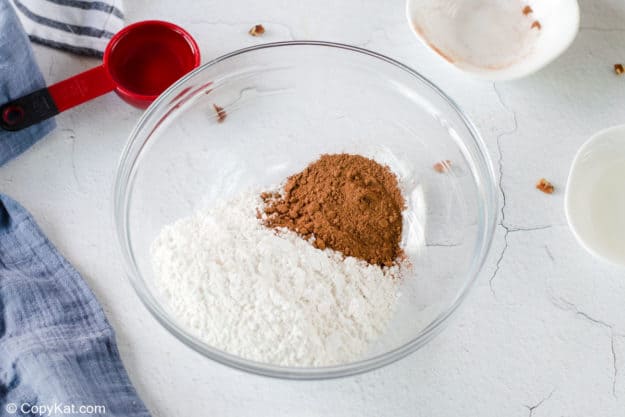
[[139, 63]]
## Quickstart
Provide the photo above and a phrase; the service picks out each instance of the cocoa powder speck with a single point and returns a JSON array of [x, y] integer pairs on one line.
[[345, 202]]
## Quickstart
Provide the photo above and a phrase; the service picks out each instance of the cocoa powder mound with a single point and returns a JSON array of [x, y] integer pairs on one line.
[[345, 202]]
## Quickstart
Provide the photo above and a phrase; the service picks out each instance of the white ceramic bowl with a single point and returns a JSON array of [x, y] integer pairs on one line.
[[595, 195], [495, 39]]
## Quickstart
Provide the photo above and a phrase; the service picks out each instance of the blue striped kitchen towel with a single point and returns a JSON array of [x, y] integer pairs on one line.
[[57, 350], [79, 26]]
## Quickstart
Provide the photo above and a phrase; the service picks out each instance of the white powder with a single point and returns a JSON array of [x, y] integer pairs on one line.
[[269, 297]]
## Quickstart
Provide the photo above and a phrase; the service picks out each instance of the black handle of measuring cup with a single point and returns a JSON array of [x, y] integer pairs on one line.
[[27, 110]]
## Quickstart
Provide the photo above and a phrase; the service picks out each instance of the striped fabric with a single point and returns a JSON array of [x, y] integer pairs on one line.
[[80, 26]]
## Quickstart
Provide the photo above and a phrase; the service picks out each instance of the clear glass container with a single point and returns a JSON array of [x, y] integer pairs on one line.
[[286, 104]]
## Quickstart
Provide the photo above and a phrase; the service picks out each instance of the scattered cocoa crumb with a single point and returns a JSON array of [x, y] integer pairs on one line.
[[618, 69], [221, 113], [345, 202], [527, 10], [257, 30], [536, 25], [442, 166], [545, 186]]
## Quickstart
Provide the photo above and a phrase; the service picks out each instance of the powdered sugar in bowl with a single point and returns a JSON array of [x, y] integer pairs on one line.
[[248, 120]]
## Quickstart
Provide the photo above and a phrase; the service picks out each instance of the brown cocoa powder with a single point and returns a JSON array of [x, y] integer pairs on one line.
[[345, 202]]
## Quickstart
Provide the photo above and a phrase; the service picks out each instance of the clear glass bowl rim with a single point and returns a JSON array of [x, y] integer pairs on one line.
[[487, 206]]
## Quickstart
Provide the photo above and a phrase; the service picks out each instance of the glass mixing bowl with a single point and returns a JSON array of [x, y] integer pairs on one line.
[[287, 103]]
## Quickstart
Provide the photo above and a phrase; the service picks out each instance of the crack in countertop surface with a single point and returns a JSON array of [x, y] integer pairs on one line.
[[502, 221], [532, 408], [566, 305]]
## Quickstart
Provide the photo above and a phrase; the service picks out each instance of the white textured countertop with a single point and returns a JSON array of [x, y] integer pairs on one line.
[[543, 332]]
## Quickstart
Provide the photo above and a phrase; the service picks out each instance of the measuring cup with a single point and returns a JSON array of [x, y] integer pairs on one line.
[[139, 63]]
